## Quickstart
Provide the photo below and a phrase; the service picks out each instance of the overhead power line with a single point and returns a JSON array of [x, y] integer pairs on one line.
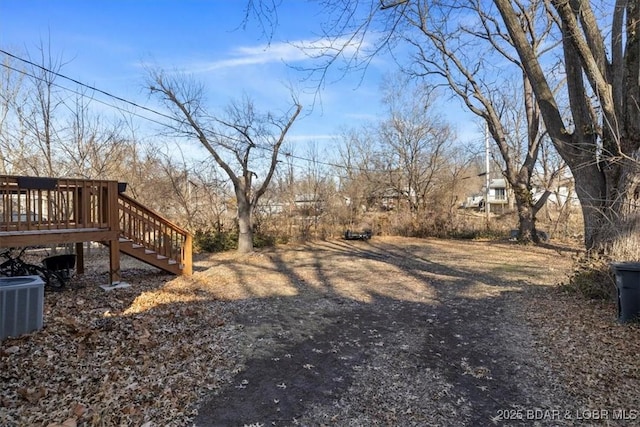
[[144, 108], [79, 83], [86, 96]]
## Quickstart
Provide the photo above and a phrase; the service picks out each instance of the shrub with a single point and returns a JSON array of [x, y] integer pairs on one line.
[[592, 278], [214, 241], [263, 240], [220, 241]]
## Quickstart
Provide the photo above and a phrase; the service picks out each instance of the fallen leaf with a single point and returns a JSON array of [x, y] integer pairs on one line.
[[12, 350], [71, 422], [79, 410]]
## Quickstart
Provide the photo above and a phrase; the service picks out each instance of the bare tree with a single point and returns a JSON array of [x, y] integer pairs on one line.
[[11, 85], [46, 131], [40, 113], [313, 193], [444, 50], [417, 140], [362, 171], [18, 152], [91, 147], [241, 141], [460, 45], [600, 142]]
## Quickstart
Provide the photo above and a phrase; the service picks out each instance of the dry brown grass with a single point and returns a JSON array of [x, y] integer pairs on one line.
[[395, 331]]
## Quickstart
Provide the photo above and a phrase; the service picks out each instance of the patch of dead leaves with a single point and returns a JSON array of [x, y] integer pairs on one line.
[[135, 356], [596, 357], [144, 356]]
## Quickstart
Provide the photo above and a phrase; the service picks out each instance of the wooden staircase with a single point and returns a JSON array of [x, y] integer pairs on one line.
[[38, 211], [148, 237]]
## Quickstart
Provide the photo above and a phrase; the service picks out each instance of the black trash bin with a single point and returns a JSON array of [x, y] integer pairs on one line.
[[628, 286], [62, 264]]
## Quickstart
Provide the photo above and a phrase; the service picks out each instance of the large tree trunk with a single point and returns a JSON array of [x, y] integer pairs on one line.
[[590, 190], [526, 213], [245, 225], [618, 233], [608, 192], [607, 177], [601, 145], [521, 181]]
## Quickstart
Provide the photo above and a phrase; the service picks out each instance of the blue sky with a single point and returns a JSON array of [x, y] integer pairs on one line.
[[108, 43]]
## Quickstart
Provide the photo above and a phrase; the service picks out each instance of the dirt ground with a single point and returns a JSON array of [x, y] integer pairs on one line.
[[389, 332]]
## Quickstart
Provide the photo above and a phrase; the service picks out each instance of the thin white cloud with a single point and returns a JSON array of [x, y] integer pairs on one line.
[[288, 52]]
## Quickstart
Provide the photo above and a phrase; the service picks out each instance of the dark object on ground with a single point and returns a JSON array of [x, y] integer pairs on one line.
[[61, 264], [16, 266], [354, 235], [542, 235], [628, 286]]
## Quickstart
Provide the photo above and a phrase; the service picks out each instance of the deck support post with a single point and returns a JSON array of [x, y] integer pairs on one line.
[[187, 256], [114, 262], [80, 258], [113, 219]]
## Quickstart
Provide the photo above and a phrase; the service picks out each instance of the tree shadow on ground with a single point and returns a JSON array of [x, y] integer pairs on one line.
[[321, 359], [458, 366], [385, 332]]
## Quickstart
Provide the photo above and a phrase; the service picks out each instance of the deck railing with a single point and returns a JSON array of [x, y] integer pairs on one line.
[[35, 203]]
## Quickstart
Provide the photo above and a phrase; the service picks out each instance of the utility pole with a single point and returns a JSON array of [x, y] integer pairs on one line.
[[486, 174]]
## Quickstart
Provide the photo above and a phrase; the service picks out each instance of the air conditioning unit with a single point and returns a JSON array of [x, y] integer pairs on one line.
[[21, 305]]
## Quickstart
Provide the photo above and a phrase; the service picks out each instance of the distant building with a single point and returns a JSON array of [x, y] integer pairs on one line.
[[498, 197], [302, 204], [501, 197], [561, 195]]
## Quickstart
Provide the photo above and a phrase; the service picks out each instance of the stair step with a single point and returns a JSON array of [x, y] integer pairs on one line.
[[136, 246]]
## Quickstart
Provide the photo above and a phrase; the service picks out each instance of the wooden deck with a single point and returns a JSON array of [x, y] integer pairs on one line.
[[38, 211]]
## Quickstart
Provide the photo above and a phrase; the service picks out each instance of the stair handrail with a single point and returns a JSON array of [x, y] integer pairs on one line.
[[144, 227]]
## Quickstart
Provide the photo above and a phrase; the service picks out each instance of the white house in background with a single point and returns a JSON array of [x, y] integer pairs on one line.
[[563, 193], [498, 197]]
